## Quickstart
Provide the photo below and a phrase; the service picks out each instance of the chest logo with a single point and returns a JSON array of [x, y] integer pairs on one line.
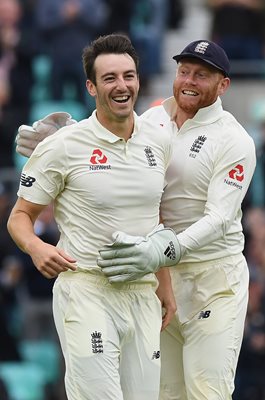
[[150, 156], [197, 145], [98, 157], [97, 342]]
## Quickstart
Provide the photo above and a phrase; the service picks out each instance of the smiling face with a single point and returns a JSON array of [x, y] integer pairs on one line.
[[116, 88], [197, 85]]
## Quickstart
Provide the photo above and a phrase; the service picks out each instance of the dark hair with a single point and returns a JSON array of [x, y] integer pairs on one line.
[[108, 44]]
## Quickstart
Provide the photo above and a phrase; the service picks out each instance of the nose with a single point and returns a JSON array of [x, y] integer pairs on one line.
[[190, 78], [121, 84]]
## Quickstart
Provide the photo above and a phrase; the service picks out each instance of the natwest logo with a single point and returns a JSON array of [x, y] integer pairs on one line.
[[98, 157], [237, 173], [98, 161]]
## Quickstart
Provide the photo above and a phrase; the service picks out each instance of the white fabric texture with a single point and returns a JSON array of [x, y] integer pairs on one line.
[[202, 203]]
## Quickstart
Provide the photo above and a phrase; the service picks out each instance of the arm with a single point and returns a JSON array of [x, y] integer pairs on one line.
[[131, 257], [166, 296], [48, 259], [233, 169]]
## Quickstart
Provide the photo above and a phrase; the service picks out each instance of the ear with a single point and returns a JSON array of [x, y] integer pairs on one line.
[[224, 85], [91, 88]]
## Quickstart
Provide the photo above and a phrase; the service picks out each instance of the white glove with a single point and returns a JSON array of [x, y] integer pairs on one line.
[[29, 136], [131, 257]]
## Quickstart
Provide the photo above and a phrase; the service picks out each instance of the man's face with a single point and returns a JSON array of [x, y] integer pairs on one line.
[[116, 88], [197, 85]]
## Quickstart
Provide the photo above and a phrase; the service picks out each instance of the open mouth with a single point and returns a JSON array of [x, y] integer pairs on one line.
[[189, 93], [121, 99]]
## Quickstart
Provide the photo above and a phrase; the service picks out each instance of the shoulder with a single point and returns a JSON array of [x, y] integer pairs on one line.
[[157, 115], [228, 129], [236, 132], [158, 131], [231, 139], [156, 118]]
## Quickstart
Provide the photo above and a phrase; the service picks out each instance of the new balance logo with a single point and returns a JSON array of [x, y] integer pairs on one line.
[[96, 341], [156, 355], [204, 314], [170, 251], [27, 180]]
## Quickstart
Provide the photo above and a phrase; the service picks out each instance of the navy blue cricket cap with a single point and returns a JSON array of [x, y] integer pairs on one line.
[[206, 51]]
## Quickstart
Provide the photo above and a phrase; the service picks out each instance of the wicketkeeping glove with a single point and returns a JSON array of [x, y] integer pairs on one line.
[[29, 136], [131, 257]]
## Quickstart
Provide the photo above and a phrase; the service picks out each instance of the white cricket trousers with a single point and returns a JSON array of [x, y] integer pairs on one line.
[[110, 337], [200, 348]]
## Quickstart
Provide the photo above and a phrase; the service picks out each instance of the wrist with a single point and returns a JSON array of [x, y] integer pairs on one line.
[[31, 244], [166, 248]]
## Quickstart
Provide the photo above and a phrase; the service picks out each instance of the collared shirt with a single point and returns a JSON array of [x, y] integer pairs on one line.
[[212, 164], [99, 183]]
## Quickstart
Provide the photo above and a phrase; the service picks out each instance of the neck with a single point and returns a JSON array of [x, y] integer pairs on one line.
[[122, 128], [181, 117]]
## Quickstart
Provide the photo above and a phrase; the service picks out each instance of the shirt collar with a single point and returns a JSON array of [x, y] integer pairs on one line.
[[204, 116], [104, 134]]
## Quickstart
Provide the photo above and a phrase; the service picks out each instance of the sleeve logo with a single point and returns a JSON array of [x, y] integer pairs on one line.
[[27, 180], [236, 176], [237, 173]]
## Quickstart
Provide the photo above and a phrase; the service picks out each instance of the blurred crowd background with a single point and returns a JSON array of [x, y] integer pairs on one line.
[[41, 42]]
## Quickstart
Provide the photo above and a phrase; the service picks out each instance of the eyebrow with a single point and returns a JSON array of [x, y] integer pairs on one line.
[[115, 73]]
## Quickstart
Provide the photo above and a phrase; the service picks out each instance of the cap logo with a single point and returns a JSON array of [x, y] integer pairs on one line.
[[201, 47]]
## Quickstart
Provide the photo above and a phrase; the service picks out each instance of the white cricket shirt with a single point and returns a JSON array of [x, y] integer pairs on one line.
[[99, 183], [212, 164]]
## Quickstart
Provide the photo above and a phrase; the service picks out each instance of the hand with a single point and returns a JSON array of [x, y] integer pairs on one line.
[[129, 259], [50, 261], [166, 296], [29, 137], [26, 140]]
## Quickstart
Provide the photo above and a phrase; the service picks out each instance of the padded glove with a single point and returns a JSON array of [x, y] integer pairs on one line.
[[131, 257], [29, 136]]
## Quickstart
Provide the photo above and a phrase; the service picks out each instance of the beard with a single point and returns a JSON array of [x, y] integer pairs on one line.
[[187, 106]]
